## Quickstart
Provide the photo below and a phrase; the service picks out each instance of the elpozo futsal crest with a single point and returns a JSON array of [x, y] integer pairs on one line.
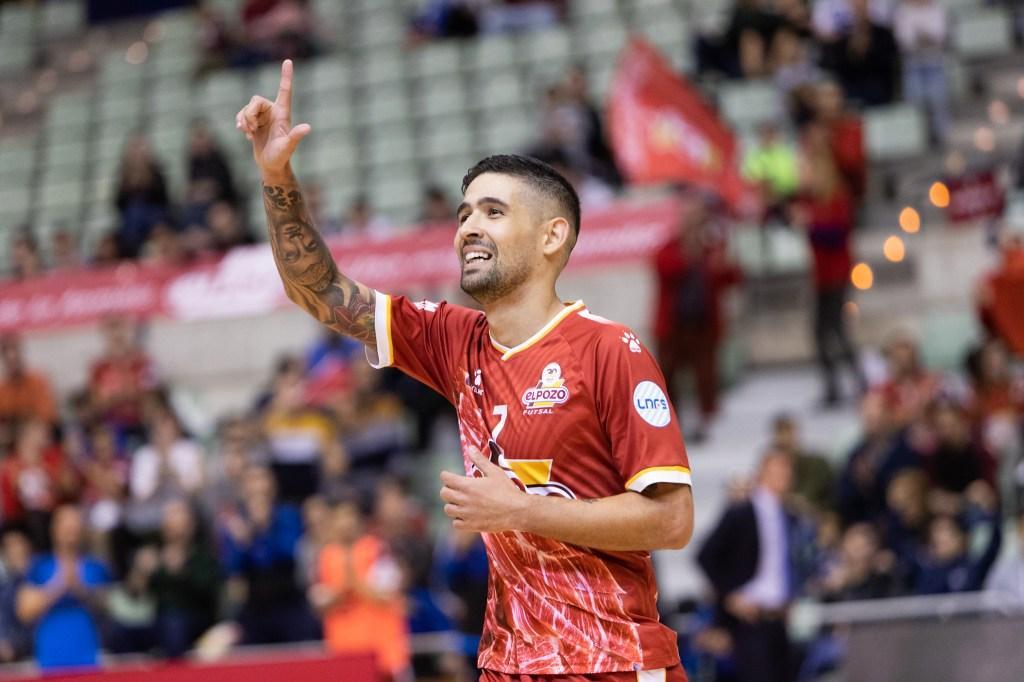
[[549, 391]]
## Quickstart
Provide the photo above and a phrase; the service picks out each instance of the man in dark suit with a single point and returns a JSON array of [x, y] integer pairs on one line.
[[750, 560]]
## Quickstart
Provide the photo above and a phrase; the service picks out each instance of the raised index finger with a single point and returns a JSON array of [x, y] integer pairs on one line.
[[284, 90]]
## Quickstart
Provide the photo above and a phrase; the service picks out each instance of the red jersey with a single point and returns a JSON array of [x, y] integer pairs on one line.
[[578, 410]]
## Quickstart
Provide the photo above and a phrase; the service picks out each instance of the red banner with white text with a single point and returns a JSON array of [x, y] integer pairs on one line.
[[246, 283], [662, 130]]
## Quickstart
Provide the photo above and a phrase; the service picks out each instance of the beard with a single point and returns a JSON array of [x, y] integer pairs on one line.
[[493, 280]]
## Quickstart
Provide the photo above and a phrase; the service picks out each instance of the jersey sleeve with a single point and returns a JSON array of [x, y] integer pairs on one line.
[[638, 418], [422, 339]]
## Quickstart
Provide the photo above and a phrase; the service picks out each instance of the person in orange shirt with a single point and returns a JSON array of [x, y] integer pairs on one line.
[[359, 594], [24, 394]]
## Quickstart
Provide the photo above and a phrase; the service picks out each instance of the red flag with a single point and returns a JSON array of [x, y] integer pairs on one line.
[[662, 130]]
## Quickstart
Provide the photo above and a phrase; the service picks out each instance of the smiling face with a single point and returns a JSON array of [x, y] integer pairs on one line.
[[504, 238]]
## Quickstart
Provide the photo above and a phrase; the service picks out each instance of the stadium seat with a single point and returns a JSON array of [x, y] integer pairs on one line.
[[381, 67], [172, 96], [552, 45], [946, 337], [435, 59], [63, 161], [395, 192], [446, 137], [440, 97], [983, 32], [492, 52], [327, 113], [670, 33], [17, 156], [447, 173], [171, 58], [327, 74], [376, 29], [894, 132], [385, 104], [498, 90], [68, 116], [333, 152], [594, 11], [389, 145], [224, 90], [506, 131], [746, 104], [600, 42]]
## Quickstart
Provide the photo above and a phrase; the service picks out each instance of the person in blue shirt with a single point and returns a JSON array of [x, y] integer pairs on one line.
[[61, 594]]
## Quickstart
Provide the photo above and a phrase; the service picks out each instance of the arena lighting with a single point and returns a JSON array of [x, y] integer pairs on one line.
[[938, 194], [862, 276], [910, 220], [998, 112], [894, 249], [984, 139], [136, 53]]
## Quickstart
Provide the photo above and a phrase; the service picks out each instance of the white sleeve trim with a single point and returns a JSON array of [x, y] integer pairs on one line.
[[646, 479], [384, 355]]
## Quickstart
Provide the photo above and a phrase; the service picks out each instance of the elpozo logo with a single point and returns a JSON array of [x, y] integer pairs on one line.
[[550, 391], [650, 403]]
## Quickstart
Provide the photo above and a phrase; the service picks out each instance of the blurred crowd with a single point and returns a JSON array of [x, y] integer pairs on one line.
[[295, 521], [877, 50], [916, 506]]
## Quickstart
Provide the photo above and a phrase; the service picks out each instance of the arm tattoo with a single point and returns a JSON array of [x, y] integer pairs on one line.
[[310, 275]]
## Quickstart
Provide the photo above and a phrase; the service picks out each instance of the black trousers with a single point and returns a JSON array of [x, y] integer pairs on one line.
[[831, 340], [762, 652]]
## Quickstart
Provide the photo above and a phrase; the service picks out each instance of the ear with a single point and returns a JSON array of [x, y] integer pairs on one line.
[[555, 236]]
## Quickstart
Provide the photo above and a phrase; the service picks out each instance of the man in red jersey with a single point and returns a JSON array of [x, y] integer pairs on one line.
[[576, 467]]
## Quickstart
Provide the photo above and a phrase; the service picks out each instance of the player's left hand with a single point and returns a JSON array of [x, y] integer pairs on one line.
[[491, 503]]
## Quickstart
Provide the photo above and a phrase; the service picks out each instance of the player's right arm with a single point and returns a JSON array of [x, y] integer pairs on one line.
[[311, 277]]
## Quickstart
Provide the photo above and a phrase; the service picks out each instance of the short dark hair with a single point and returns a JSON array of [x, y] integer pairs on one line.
[[538, 175]]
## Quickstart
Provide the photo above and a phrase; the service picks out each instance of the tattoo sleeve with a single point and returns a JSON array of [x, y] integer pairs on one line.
[[311, 277]]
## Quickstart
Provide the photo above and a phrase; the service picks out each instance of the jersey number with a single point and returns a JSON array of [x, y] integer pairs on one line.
[[533, 474]]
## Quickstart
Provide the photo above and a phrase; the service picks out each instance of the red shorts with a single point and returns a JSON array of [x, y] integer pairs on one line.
[[673, 674]]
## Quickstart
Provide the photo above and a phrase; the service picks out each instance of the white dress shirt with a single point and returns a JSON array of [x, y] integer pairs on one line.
[[769, 586]]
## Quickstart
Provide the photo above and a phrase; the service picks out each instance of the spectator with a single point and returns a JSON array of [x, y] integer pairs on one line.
[[24, 393], [594, 193], [277, 29], [462, 563], [130, 606], [300, 440], [316, 521], [328, 366], [209, 173], [359, 594], [185, 583], [361, 220], [693, 274], [826, 210], [1007, 578], [793, 71], [105, 471], [15, 557], [25, 259], [314, 195], [142, 198], [519, 15], [921, 27], [813, 489], [106, 252], [881, 452], [121, 378], [772, 166], [747, 558], [34, 479], [956, 459], [436, 209], [237, 451], [227, 229], [909, 387], [862, 571], [61, 595], [259, 548], [865, 58], [1009, 269], [832, 19], [445, 19], [165, 247], [949, 565], [905, 524], [742, 50], [168, 467], [845, 135], [601, 161], [64, 252]]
